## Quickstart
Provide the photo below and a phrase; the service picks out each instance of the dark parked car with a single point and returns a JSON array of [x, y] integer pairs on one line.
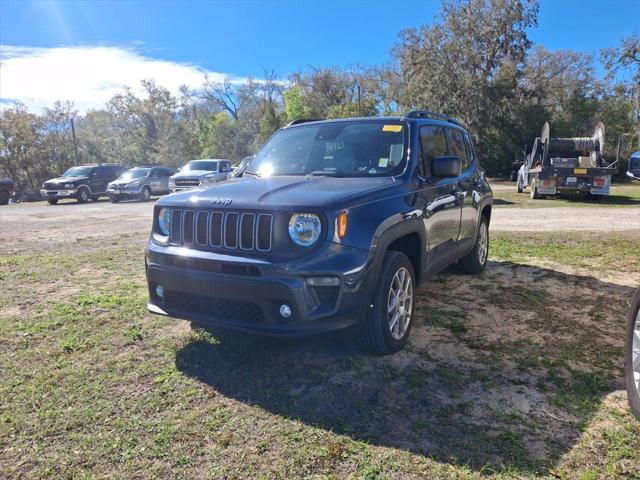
[[331, 226], [82, 183], [632, 355], [633, 171], [140, 182], [7, 189]]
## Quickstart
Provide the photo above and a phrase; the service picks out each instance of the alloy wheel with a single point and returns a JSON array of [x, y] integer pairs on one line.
[[483, 243], [400, 303]]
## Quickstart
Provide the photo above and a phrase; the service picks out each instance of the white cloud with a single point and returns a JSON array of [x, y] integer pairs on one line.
[[87, 75]]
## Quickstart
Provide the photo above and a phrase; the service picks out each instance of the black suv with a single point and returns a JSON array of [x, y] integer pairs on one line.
[[82, 183], [332, 225], [7, 189]]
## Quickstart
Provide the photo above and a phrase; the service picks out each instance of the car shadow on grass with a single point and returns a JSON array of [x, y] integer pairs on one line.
[[503, 370]]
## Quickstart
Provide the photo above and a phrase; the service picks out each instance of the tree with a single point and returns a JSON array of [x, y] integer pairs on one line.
[[626, 58], [295, 104], [467, 64]]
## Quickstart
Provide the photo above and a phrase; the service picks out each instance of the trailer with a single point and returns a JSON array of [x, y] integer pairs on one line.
[[566, 165]]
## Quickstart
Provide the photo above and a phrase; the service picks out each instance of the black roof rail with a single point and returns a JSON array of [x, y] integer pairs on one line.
[[434, 115], [302, 120]]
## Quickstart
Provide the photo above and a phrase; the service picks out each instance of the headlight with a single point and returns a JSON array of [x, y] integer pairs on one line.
[[69, 185], [134, 184], [305, 228], [164, 221], [172, 182]]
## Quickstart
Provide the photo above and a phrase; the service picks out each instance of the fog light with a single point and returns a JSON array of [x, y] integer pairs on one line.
[[285, 311], [160, 291], [323, 281]]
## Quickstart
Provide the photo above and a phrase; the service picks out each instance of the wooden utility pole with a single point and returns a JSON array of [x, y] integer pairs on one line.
[[75, 143]]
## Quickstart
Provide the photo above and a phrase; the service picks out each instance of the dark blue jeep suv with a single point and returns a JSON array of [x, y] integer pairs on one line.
[[331, 225]]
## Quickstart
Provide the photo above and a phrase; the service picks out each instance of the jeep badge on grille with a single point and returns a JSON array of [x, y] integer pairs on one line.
[[221, 201]]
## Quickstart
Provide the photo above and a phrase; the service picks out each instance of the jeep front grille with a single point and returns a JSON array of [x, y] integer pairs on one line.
[[204, 229]]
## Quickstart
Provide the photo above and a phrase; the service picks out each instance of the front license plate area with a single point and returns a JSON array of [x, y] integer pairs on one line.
[[572, 179]]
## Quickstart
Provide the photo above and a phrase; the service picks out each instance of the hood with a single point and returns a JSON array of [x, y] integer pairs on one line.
[[278, 193], [192, 174], [66, 179]]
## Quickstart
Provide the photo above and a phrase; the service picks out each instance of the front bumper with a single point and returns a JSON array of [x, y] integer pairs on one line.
[[182, 188], [124, 191], [67, 193], [245, 293]]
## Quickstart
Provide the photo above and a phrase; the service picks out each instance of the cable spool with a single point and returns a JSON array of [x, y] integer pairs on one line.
[[575, 146]]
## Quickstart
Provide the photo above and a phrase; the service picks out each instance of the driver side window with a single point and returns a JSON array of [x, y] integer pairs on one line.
[[458, 147], [433, 143]]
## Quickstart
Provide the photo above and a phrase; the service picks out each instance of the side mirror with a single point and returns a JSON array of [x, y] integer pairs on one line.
[[446, 167]]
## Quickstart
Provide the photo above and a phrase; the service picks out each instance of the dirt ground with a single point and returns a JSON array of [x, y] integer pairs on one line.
[[515, 372], [42, 224]]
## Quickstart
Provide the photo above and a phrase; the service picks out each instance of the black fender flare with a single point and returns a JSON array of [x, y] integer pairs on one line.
[[406, 226]]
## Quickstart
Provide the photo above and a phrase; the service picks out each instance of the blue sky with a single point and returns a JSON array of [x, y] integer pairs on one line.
[[237, 38]]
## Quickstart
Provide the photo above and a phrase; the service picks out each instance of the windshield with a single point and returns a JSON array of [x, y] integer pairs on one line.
[[342, 149], [634, 163], [201, 165], [78, 172], [134, 174]]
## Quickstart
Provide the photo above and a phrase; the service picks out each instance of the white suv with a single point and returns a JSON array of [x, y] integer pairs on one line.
[[200, 173]]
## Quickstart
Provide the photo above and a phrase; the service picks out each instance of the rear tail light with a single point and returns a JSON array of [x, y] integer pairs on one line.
[[548, 182], [598, 181]]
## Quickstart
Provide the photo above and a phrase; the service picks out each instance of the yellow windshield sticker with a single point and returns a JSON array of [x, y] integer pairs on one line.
[[392, 128], [579, 171], [383, 162]]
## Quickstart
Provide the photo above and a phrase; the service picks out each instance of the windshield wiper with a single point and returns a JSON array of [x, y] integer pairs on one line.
[[250, 173], [322, 173]]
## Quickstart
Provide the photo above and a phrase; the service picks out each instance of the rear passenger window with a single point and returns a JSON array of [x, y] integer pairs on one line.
[[458, 147], [433, 144]]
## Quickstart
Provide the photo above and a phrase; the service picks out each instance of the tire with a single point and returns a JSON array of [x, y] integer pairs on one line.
[[4, 197], [534, 190], [476, 260], [115, 199], [146, 194], [631, 375], [83, 195], [377, 333], [52, 201]]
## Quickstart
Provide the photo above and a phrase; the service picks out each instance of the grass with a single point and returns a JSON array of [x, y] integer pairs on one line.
[[625, 195], [502, 378], [598, 250]]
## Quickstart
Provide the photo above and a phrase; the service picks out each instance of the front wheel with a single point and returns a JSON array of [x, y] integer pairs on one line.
[[534, 190], [115, 199], [476, 260], [83, 196], [146, 194], [53, 201], [388, 323], [632, 355]]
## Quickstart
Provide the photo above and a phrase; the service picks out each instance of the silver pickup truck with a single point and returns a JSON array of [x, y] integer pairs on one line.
[[200, 173]]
